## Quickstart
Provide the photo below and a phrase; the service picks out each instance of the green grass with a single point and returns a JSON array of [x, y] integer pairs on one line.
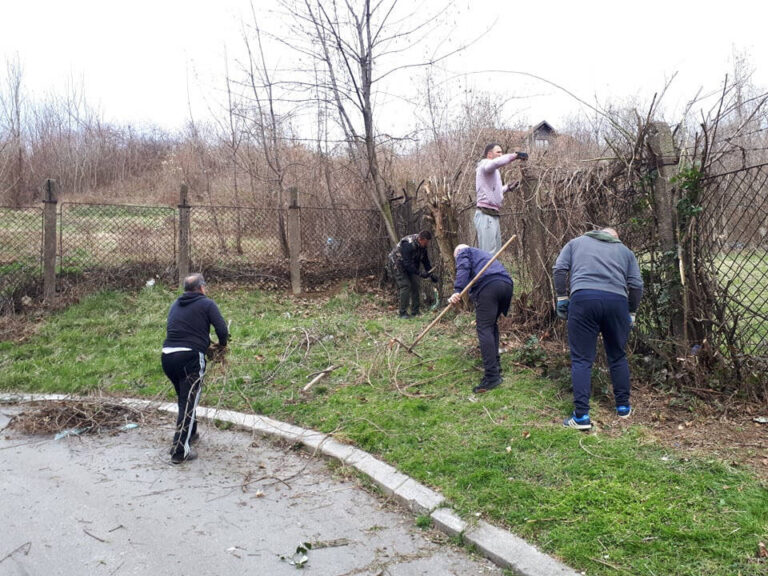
[[611, 502]]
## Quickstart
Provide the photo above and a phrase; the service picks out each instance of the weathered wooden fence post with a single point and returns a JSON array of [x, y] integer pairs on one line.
[[666, 158], [50, 205], [294, 240], [182, 258]]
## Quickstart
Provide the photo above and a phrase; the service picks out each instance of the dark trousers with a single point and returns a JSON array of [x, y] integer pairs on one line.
[[591, 314], [185, 370], [492, 301], [407, 289]]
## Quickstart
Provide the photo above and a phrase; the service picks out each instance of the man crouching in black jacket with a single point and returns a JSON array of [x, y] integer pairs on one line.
[[405, 260], [187, 339]]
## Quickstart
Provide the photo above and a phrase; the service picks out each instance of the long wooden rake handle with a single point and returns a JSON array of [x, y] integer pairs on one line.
[[463, 292]]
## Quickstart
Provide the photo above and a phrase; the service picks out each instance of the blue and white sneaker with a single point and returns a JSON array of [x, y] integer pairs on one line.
[[578, 422], [623, 411]]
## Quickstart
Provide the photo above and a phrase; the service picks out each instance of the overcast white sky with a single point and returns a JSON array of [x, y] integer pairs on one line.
[[138, 61]]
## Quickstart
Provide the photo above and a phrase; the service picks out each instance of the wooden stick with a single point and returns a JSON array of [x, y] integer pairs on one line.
[[319, 377], [463, 292], [399, 343]]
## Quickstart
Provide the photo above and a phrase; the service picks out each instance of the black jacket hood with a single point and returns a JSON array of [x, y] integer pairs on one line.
[[190, 297]]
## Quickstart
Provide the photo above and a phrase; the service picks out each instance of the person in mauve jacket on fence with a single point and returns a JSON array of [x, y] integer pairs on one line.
[[490, 195]]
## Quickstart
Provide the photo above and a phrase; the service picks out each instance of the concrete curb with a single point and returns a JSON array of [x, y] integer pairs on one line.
[[499, 546]]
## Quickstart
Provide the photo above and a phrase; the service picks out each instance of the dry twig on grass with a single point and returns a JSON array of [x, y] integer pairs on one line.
[[319, 376]]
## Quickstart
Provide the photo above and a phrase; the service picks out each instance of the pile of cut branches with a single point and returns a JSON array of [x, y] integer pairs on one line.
[[78, 416]]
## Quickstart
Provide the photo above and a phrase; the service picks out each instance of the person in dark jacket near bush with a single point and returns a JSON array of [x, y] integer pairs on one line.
[[605, 290], [187, 340], [406, 258], [492, 295]]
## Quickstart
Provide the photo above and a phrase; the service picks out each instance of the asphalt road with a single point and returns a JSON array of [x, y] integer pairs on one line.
[[113, 505]]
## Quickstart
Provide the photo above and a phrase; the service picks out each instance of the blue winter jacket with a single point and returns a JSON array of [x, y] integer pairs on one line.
[[469, 262]]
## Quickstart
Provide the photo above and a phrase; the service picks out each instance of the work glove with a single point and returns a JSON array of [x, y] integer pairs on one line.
[[562, 308], [522, 155], [433, 277], [632, 316], [454, 298], [424, 275]]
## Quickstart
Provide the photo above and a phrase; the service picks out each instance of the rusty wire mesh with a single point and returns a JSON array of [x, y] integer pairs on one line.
[[105, 237], [342, 242], [21, 239], [239, 243]]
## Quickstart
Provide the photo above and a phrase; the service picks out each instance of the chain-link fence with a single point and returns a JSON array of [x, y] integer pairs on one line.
[[115, 239], [238, 243], [723, 251], [21, 237], [226, 242], [342, 242], [731, 244]]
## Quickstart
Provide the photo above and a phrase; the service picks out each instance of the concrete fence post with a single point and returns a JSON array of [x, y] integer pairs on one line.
[[294, 240], [665, 197], [50, 206], [182, 256]]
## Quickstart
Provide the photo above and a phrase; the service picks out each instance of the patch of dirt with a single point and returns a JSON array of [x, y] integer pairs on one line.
[[19, 327], [728, 430]]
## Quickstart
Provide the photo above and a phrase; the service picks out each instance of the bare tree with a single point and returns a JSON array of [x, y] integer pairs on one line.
[[265, 121], [233, 140], [350, 41], [13, 141]]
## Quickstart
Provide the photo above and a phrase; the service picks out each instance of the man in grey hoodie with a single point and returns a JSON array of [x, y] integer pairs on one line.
[[605, 290], [187, 339]]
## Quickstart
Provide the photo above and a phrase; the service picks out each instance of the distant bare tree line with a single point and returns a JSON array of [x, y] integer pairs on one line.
[[256, 148], [62, 137]]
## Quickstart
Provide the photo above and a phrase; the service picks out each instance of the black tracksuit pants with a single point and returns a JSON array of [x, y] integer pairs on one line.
[[492, 301], [185, 369]]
